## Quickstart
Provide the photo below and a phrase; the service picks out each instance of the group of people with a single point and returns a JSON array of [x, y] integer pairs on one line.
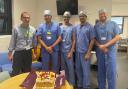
[[65, 40]]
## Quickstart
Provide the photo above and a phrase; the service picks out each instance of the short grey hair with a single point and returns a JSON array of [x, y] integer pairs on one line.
[[102, 11]]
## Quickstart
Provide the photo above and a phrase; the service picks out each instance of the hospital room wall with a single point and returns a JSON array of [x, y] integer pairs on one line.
[[120, 9], [36, 8], [90, 6], [17, 7]]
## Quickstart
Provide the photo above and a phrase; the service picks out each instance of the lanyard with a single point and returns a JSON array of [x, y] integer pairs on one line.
[[27, 37], [79, 32], [65, 33], [25, 32], [48, 27], [103, 33]]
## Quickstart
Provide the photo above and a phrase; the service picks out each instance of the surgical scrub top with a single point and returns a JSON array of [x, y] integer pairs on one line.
[[106, 32], [84, 34], [49, 34], [67, 34]]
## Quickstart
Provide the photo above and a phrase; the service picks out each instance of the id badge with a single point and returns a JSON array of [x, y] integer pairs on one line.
[[103, 38], [63, 40], [27, 47], [49, 37]]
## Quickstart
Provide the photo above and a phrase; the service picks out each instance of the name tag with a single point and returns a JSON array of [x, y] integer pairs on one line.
[[63, 40], [27, 47], [49, 37], [103, 38], [103, 35]]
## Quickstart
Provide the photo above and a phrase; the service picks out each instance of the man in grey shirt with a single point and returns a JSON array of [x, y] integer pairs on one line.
[[21, 44]]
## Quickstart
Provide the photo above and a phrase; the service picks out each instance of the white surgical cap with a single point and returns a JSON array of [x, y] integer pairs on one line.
[[82, 13], [47, 12], [67, 14]]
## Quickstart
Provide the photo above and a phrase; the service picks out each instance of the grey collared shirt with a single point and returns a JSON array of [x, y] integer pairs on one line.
[[22, 38]]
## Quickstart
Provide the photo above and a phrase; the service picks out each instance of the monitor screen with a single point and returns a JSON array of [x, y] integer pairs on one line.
[[67, 5]]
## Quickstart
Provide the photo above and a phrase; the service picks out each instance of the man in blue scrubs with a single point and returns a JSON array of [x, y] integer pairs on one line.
[[67, 48], [84, 43], [107, 34], [49, 36]]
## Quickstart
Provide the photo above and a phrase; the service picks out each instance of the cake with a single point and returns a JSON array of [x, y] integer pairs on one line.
[[45, 80]]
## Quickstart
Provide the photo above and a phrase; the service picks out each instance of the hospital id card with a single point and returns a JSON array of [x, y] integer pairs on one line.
[[103, 38], [49, 37], [27, 47]]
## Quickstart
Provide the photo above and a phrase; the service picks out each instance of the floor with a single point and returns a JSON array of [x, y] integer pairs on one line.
[[122, 70]]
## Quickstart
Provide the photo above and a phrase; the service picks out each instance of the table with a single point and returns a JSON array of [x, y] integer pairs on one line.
[[14, 82]]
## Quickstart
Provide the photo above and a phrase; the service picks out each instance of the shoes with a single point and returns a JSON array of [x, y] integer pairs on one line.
[[79, 88], [96, 88]]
